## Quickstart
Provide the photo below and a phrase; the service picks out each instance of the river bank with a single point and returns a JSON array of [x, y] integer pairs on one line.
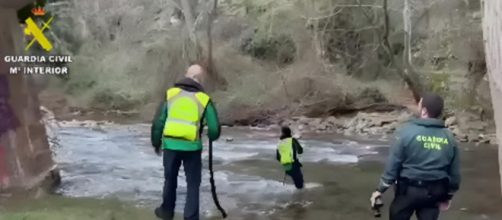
[[374, 122], [61, 208]]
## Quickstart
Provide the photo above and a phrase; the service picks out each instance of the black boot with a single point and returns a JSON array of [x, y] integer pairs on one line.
[[160, 213]]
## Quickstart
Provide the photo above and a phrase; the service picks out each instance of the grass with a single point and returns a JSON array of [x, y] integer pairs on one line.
[[61, 208]]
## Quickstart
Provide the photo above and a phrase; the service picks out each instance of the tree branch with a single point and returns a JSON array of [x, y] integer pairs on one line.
[[412, 82]]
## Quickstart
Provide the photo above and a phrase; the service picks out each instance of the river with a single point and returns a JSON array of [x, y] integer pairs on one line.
[[117, 161]]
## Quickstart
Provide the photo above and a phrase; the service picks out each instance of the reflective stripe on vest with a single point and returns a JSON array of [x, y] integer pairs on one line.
[[185, 111], [286, 151]]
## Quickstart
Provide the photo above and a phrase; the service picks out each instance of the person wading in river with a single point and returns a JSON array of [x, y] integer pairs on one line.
[[286, 154], [177, 129], [424, 162]]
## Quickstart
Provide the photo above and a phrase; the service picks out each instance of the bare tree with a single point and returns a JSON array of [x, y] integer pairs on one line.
[[194, 50], [211, 14], [404, 69], [407, 32]]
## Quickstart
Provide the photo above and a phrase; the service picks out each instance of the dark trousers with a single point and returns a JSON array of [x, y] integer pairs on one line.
[[421, 200], [192, 164], [297, 175]]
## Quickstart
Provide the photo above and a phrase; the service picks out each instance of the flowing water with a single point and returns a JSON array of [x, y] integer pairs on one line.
[[117, 161]]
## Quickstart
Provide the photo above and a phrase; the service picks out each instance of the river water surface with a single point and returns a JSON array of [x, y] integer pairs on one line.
[[117, 161]]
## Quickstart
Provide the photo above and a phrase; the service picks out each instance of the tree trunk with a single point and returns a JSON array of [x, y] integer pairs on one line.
[[216, 81], [25, 156], [193, 49], [492, 22], [211, 13], [404, 70], [407, 32]]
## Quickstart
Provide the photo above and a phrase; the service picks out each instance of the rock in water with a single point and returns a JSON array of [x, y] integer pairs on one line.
[[298, 135], [493, 139], [473, 138], [451, 121], [51, 125], [331, 120], [461, 136]]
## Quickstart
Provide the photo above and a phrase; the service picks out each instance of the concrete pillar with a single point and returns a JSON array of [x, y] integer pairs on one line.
[[492, 28], [25, 156]]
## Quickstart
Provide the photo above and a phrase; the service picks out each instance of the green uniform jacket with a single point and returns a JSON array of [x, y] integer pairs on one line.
[[210, 118], [424, 150]]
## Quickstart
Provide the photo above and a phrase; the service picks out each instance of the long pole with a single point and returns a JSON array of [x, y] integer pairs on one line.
[[211, 180], [284, 180]]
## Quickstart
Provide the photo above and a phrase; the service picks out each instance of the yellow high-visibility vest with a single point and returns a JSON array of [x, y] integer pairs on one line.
[[185, 112], [286, 151]]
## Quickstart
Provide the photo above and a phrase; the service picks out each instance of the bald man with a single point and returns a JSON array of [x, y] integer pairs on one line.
[[177, 130]]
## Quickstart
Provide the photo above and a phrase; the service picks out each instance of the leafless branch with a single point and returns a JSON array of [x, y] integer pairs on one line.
[[324, 16]]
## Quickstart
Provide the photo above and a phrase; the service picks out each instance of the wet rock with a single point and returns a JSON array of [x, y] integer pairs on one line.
[[302, 120], [386, 123], [51, 127], [371, 123], [403, 117], [348, 133], [321, 127], [451, 121], [331, 120], [483, 139], [491, 138], [477, 125], [316, 124], [494, 140], [88, 123], [459, 134], [473, 137], [301, 127]]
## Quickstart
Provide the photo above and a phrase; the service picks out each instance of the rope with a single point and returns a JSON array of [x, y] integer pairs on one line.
[[211, 180]]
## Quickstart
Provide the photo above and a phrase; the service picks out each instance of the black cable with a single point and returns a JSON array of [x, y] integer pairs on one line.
[[211, 180]]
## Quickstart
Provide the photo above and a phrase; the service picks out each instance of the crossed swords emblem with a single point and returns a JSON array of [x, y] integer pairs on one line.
[[32, 29]]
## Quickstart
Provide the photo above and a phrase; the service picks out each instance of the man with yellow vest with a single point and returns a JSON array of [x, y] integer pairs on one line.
[[177, 129], [287, 152]]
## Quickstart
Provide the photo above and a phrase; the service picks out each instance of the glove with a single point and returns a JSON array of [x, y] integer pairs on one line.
[[157, 150]]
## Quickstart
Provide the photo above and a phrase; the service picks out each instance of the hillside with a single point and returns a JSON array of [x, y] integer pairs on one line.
[[272, 59]]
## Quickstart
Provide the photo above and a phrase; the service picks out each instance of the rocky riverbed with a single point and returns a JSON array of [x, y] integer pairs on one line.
[[465, 126]]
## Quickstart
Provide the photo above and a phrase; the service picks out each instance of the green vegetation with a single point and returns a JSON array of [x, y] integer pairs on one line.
[[280, 49], [273, 55], [60, 208]]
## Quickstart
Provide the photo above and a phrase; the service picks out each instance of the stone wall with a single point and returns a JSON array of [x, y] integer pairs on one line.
[[492, 26], [25, 156]]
